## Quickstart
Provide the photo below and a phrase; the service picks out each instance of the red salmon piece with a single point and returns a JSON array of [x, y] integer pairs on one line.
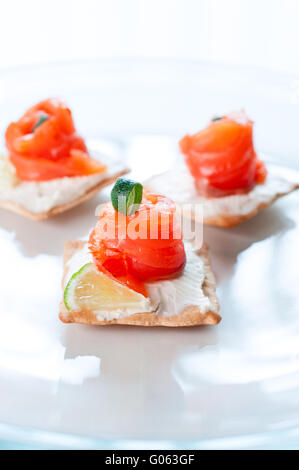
[[43, 144], [159, 254], [222, 158]]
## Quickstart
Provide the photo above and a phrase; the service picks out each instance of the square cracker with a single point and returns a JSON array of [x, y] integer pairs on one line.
[[190, 315], [40, 216]]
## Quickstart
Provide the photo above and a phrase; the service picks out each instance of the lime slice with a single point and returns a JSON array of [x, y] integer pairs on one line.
[[126, 196], [93, 291]]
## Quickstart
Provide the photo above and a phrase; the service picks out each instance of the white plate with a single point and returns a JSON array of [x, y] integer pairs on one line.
[[231, 386]]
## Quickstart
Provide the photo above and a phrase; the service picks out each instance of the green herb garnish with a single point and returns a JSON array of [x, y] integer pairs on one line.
[[126, 196], [44, 117], [217, 118]]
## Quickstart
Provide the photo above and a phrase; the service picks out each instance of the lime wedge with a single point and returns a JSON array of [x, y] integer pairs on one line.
[[93, 291]]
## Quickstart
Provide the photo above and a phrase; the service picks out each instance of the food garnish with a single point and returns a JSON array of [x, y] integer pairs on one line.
[[90, 289], [126, 196]]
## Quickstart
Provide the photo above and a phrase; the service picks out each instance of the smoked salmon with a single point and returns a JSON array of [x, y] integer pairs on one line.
[[222, 158], [145, 246], [44, 145]]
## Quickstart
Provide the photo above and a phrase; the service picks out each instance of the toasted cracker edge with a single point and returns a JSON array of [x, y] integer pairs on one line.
[[40, 216], [231, 220], [190, 316]]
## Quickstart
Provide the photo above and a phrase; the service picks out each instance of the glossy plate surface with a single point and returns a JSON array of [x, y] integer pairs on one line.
[[231, 386]]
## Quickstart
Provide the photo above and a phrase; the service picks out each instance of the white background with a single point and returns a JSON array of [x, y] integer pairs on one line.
[[252, 32]]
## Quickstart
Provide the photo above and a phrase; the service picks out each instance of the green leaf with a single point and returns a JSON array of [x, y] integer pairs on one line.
[[126, 196], [217, 118], [44, 117]]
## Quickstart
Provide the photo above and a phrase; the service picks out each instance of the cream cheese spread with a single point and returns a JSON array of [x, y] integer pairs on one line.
[[178, 184], [43, 196]]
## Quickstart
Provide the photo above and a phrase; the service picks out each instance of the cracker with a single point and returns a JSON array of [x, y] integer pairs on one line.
[[229, 210], [190, 315], [40, 216]]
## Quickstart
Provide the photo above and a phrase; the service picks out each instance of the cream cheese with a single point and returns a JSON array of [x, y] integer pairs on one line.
[[178, 184], [184, 291], [167, 298], [108, 315], [43, 196]]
